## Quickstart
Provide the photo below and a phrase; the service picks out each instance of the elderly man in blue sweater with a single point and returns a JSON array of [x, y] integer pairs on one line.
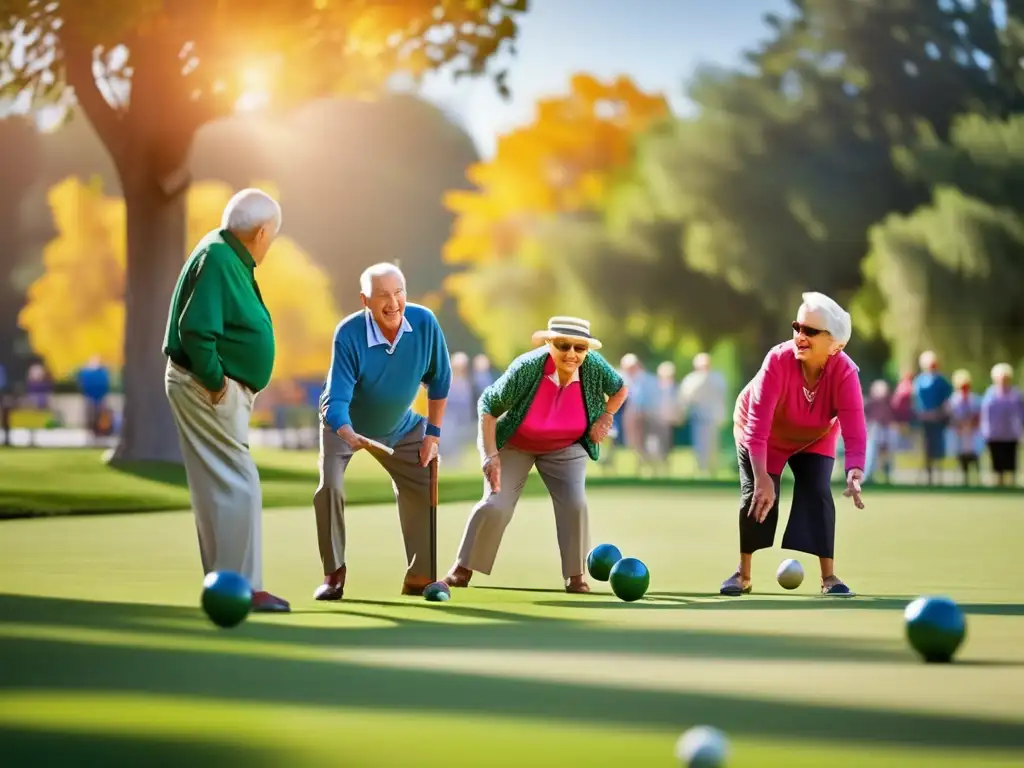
[[381, 356]]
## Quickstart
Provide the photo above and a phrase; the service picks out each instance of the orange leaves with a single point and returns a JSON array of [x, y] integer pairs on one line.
[[560, 163]]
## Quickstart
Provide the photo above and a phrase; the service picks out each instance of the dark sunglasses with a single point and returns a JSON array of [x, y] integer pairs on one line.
[[806, 330], [565, 346]]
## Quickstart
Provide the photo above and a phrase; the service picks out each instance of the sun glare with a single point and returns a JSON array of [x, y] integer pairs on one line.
[[255, 89]]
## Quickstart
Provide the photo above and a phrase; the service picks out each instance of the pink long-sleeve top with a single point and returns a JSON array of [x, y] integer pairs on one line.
[[774, 420]]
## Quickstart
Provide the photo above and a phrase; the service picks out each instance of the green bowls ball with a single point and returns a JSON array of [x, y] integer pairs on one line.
[[437, 592], [936, 628], [226, 598], [601, 560], [629, 579]]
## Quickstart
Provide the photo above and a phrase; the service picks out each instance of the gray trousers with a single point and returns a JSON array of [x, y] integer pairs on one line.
[[564, 473], [411, 484], [223, 482]]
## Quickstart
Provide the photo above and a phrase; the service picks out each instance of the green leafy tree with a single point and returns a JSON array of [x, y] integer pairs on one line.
[[949, 276], [148, 75]]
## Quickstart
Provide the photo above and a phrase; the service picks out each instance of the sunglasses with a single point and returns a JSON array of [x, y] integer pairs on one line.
[[806, 330], [565, 346]]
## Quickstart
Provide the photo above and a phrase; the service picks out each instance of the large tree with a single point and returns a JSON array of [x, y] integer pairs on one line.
[[148, 75]]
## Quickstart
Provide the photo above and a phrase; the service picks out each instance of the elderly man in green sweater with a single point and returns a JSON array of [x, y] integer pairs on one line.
[[220, 354]]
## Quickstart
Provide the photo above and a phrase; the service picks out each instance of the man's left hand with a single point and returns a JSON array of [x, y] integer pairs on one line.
[[428, 450]]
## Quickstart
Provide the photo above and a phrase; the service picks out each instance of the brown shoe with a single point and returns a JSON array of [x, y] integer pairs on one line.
[[576, 585], [414, 585], [333, 587], [458, 576], [264, 602]]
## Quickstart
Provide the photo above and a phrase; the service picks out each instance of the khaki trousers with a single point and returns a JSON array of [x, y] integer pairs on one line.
[[411, 484], [223, 482], [564, 473]]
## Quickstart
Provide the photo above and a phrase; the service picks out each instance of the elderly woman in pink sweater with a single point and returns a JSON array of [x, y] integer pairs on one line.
[[807, 391]]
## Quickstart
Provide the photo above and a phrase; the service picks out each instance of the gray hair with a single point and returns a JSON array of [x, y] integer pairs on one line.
[[837, 320], [377, 270], [249, 210]]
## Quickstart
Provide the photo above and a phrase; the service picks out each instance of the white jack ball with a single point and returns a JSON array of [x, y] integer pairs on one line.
[[702, 747], [790, 574]]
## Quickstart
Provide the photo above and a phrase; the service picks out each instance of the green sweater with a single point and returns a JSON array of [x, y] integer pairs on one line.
[[509, 397], [218, 324]]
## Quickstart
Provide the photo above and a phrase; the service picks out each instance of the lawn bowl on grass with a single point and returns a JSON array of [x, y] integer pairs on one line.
[[702, 747], [790, 574], [227, 598], [629, 579], [935, 627], [601, 560], [437, 592]]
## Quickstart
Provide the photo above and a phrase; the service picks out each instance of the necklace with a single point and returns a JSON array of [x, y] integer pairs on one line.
[[809, 395]]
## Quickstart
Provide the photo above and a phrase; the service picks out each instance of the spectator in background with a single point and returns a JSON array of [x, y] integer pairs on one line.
[[1002, 423], [460, 413], [965, 418], [903, 410], [882, 430], [483, 375], [665, 417], [931, 408], [640, 418], [38, 387], [94, 384], [702, 401]]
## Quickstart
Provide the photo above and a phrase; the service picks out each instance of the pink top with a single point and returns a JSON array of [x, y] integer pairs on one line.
[[774, 420], [557, 417]]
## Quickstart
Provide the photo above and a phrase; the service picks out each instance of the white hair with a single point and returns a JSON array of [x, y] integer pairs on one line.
[[702, 361], [481, 363], [927, 360], [374, 271], [629, 360], [879, 388], [1002, 370], [460, 360], [837, 320], [667, 369], [249, 210], [961, 378]]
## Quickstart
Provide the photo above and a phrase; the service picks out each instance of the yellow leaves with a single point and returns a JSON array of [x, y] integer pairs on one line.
[[560, 163], [76, 309], [563, 162]]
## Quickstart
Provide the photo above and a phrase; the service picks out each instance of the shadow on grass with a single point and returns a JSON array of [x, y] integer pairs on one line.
[[35, 664], [463, 628], [30, 747]]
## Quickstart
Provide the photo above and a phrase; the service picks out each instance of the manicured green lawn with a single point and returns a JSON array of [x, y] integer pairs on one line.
[[106, 659]]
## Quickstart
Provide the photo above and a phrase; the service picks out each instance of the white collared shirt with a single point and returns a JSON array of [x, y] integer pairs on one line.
[[553, 376], [375, 337]]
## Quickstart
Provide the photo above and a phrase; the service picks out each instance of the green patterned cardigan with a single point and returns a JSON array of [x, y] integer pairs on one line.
[[509, 398]]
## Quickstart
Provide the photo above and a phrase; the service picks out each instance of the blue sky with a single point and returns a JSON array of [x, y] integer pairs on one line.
[[659, 43]]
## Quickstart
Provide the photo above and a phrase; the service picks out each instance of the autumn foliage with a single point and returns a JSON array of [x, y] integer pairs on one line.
[[75, 310], [563, 162]]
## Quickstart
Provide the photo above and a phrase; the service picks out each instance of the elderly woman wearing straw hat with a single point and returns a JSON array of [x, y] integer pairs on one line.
[[791, 413], [550, 410]]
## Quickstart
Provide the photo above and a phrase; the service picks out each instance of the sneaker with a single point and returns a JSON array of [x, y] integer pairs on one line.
[[834, 587], [264, 602], [734, 586]]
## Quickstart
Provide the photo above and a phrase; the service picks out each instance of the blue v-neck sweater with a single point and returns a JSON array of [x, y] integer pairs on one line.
[[372, 384]]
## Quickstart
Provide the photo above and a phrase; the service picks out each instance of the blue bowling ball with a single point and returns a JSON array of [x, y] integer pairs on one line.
[[601, 560], [437, 592], [227, 598], [936, 628], [629, 579]]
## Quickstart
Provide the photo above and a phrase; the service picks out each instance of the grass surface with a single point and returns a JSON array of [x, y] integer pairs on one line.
[[107, 659], [41, 482]]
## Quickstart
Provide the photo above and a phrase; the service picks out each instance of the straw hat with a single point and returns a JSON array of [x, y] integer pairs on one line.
[[561, 327]]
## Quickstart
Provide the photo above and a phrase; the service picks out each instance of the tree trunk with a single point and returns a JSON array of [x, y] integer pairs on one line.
[[156, 252]]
